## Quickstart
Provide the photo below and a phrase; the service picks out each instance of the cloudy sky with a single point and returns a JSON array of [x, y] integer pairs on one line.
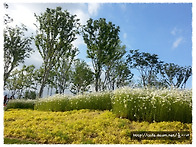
[[164, 29]]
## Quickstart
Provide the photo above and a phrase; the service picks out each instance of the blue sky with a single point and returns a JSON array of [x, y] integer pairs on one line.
[[164, 29]]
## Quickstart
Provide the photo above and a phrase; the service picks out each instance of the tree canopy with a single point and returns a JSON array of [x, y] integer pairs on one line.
[[56, 30]]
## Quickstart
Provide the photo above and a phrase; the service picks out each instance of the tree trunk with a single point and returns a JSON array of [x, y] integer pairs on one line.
[[41, 90], [97, 80], [45, 77]]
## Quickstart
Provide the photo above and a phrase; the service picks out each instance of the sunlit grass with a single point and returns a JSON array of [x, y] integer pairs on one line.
[[153, 105], [135, 104], [21, 104], [82, 127]]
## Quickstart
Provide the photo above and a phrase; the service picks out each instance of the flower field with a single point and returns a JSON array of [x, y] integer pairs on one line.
[[100, 118], [82, 127], [153, 105]]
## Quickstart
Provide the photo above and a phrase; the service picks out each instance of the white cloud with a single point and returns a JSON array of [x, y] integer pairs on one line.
[[177, 42], [35, 59], [21, 14], [93, 8], [79, 41], [81, 15]]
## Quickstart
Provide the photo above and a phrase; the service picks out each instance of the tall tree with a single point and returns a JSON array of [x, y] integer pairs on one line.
[[56, 30], [17, 48], [147, 64], [101, 39]]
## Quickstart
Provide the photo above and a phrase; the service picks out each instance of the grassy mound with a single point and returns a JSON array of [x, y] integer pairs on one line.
[[82, 127]]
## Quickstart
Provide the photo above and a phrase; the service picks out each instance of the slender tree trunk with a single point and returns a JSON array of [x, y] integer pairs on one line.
[[97, 80], [45, 77]]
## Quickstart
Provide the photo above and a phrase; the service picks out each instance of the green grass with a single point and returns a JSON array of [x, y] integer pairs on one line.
[[54, 103], [21, 104], [17, 141], [94, 101]]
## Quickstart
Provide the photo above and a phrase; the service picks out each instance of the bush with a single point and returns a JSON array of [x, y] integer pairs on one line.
[[153, 105], [96, 101], [30, 95], [54, 103], [21, 104]]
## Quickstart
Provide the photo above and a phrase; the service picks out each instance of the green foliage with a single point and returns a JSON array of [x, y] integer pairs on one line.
[[96, 101], [54, 103], [30, 95], [56, 30], [153, 105], [81, 77], [135, 104], [147, 64], [21, 104], [16, 48], [102, 39], [22, 82], [175, 75]]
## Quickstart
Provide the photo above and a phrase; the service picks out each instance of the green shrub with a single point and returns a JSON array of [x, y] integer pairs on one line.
[[96, 101], [153, 105], [54, 103], [21, 104]]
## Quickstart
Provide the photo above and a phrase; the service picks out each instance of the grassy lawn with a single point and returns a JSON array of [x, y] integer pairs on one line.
[[81, 127]]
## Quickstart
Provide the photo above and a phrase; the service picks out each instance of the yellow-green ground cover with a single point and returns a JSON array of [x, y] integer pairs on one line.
[[82, 126]]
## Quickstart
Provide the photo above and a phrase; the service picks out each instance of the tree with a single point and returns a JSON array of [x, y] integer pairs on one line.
[[21, 81], [175, 75], [56, 31], [112, 67], [123, 74], [62, 70], [16, 48], [81, 78], [147, 64], [101, 39]]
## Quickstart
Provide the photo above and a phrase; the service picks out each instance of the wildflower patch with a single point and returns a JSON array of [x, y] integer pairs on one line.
[[82, 127]]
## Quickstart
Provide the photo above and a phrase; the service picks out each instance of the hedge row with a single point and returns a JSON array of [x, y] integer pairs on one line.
[[134, 104]]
